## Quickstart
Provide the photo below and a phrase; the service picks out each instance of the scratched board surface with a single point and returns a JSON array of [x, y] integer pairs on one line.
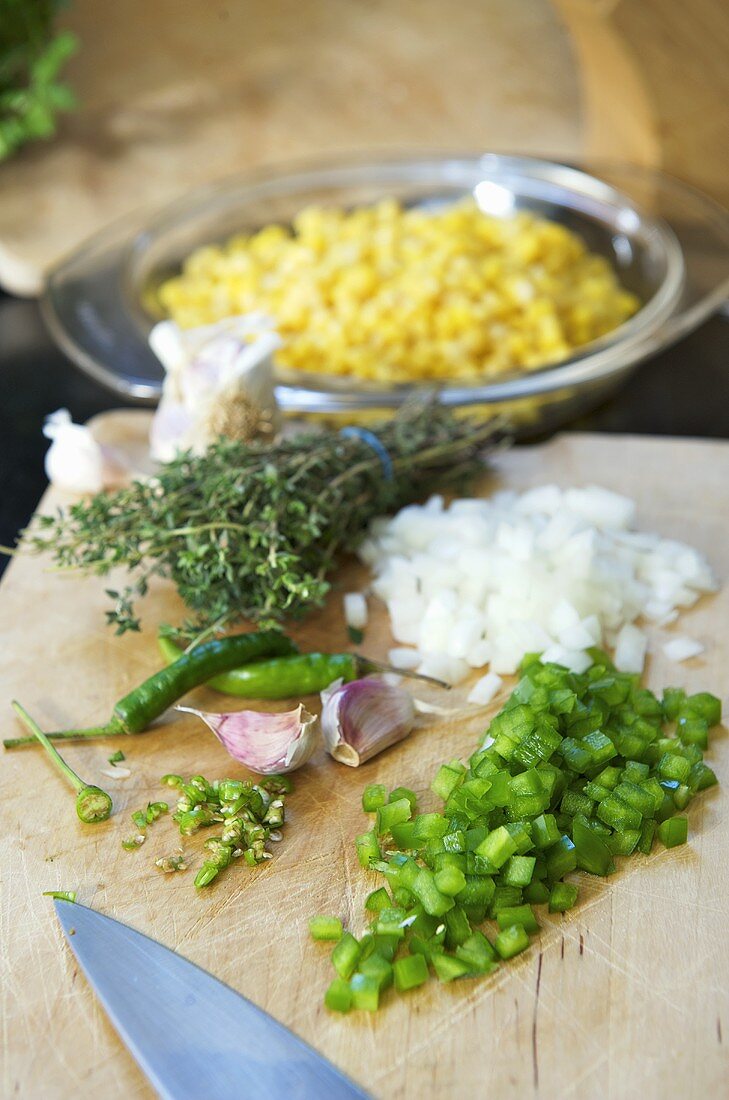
[[625, 996]]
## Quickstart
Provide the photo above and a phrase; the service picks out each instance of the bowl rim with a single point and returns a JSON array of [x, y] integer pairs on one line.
[[551, 176], [610, 354]]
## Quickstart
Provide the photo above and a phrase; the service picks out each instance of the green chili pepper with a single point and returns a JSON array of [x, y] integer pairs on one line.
[[92, 804], [140, 707], [281, 677], [289, 677], [325, 928], [62, 895]]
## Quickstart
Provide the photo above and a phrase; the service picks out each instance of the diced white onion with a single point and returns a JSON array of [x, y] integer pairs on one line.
[[576, 637], [576, 660], [480, 654], [682, 648], [355, 610], [630, 649], [485, 689], [482, 582], [401, 657], [442, 667]]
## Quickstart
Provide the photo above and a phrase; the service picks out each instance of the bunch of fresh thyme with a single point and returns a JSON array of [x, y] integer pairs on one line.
[[252, 531]]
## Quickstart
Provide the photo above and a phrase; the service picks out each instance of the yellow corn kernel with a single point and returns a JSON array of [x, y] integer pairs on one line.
[[390, 294]]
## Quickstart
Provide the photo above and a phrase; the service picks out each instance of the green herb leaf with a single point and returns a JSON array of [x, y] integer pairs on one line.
[[252, 531], [31, 57]]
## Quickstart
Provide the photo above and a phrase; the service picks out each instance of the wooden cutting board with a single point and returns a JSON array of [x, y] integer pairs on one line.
[[627, 995]]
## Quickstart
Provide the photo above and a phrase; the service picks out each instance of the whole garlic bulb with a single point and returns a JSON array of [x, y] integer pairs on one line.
[[218, 381]]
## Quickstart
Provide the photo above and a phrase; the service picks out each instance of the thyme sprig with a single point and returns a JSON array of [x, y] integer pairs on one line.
[[252, 531], [32, 55]]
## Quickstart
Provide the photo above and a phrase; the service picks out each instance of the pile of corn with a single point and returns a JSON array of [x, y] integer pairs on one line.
[[393, 294]]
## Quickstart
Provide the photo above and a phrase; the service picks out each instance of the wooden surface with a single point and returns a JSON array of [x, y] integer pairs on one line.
[[626, 996], [175, 95], [172, 96], [654, 84]]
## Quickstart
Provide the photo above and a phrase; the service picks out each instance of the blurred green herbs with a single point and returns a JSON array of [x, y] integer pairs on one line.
[[32, 55]]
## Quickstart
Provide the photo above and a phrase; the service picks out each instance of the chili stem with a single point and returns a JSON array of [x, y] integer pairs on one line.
[[368, 665], [38, 734], [88, 734], [92, 804]]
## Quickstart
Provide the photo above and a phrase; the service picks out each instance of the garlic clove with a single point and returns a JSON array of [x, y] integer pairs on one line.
[[76, 461], [269, 744], [363, 717]]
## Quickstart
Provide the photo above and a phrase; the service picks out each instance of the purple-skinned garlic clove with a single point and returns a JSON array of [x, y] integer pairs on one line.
[[363, 717], [269, 744]]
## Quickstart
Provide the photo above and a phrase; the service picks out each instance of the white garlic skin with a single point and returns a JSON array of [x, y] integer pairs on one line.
[[75, 461], [269, 744], [208, 369]]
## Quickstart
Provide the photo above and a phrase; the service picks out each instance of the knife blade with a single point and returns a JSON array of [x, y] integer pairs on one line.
[[189, 1032]]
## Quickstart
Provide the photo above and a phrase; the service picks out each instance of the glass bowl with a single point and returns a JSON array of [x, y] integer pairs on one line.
[[668, 243]]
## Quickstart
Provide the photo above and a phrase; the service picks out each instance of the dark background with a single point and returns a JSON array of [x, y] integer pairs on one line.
[[684, 391]]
